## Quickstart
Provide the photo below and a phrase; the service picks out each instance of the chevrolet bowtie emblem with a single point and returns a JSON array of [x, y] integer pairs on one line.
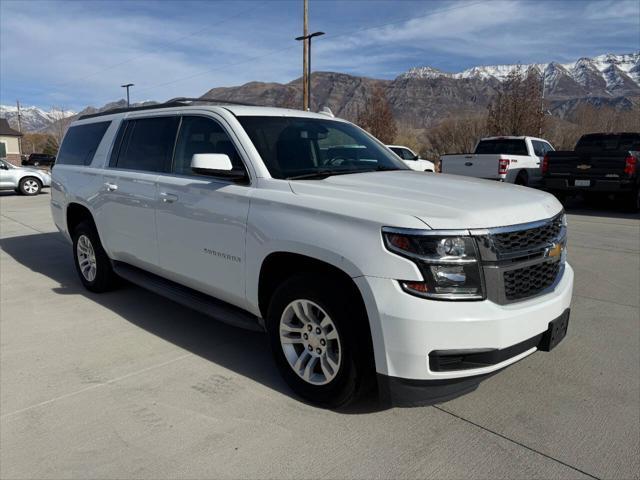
[[583, 166], [553, 251]]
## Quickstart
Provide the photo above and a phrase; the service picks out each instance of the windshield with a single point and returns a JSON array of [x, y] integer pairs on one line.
[[307, 147]]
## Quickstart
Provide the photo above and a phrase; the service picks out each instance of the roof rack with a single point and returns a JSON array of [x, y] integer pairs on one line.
[[174, 102], [213, 100]]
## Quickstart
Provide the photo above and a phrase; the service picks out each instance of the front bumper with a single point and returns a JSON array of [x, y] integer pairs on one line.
[[406, 329]]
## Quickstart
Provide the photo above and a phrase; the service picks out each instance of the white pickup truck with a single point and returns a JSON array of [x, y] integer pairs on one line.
[[506, 159], [359, 270]]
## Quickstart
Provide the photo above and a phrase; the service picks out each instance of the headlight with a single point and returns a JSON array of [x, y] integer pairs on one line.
[[448, 263]]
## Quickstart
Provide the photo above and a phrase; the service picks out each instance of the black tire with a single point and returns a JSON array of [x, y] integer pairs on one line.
[[30, 186], [561, 196], [356, 372], [632, 201], [104, 278], [522, 179]]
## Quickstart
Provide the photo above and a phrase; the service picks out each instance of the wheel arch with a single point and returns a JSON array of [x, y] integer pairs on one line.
[[278, 266], [76, 214]]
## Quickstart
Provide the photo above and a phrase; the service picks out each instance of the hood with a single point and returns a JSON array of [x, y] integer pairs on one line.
[[441, 201], [33, 169]]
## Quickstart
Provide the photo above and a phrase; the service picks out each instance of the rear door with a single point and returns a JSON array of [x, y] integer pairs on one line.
[[201, 219], [143, 149]]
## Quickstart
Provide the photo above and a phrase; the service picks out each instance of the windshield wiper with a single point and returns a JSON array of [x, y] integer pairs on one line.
[[320, 174], [327, 173]]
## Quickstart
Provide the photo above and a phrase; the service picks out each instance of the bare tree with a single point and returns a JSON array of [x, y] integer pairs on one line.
[[60, 123], [454, 135], [377, 117], [517, 108]]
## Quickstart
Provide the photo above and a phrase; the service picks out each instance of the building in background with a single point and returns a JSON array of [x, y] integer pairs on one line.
[[9, 143]]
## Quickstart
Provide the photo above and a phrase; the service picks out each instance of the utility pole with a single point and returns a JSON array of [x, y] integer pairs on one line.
[[19, 126], [305, 57], [127, 86]]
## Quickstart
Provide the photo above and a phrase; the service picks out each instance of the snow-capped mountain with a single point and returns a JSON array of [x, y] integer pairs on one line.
[[33, 119], [608, 74]]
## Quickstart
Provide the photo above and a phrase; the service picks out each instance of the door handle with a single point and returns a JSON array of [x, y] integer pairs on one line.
[[168, 197], [468, 164], [111, 187]]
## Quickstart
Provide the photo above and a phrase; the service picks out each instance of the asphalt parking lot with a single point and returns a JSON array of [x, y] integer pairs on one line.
[[131, 385]]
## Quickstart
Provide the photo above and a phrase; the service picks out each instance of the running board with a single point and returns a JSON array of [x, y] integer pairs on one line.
[[188, 297]]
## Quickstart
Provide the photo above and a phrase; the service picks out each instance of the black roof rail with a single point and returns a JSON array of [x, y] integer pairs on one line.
[[133, 109], [213, 100], [174, 102]]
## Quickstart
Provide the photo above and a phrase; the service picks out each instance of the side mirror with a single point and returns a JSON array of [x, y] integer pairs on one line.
[[216, 164]]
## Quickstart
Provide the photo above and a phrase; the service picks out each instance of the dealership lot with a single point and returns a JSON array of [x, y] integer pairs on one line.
[[131, 385]]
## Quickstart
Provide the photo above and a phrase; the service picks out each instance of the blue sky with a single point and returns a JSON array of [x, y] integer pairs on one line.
[[77, 53]]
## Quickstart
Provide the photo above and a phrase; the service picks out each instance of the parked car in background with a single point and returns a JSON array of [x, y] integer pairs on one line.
[[358, 269], [39, 159], [411, 159], [600, 164], [27, 181], [506, 159]]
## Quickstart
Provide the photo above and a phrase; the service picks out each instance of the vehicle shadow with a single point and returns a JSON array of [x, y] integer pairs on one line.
[[245, 352]]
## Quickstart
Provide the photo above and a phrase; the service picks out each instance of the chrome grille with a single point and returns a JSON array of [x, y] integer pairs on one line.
[[528, 281], [529, 239], [515, 259]]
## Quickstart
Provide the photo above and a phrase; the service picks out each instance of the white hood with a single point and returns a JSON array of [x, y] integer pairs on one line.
[[440, 201]]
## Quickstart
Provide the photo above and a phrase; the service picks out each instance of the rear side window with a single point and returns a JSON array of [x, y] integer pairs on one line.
[[541, 148], [511, 146], [80, 143], [146, 144]]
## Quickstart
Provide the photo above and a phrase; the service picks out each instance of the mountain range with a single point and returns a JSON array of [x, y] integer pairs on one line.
[[33, 119], [424, 95]]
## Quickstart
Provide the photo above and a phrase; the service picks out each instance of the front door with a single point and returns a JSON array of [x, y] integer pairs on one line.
[[202, 219], [129, 196]]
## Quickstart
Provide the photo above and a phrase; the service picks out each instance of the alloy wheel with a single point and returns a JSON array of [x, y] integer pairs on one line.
[[31, 186], [86, 258], [310, 342]]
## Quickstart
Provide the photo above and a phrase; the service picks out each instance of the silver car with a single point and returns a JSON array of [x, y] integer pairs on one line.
[[27, 181]]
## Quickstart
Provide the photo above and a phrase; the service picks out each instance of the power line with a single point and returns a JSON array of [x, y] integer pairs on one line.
[[251, 59]]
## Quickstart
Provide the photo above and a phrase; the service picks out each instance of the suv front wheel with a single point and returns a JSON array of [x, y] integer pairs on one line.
[[318, 339]]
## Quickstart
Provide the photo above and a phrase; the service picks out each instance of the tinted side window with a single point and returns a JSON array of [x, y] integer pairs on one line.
[[539, 148], [80, 143], [407, 155], [202, 135], [148, 144]]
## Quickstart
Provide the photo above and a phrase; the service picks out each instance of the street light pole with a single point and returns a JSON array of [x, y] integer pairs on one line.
[[305, 56], [127, 86], [307, 38]]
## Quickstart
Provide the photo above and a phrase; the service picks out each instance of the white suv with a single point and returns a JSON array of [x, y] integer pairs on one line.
[[358, 268]]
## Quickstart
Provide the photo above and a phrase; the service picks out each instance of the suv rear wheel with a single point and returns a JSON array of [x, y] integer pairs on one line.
[[317, 339], [91, 261], [30, 186]]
